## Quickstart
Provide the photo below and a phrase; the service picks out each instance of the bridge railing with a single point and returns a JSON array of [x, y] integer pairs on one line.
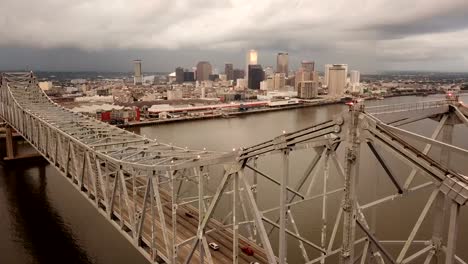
[[403, 107]]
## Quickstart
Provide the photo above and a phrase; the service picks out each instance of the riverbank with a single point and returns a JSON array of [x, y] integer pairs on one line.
[[311, 103], [306, 103]]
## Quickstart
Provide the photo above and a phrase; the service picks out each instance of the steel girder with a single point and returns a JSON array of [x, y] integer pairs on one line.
[[140, 185], [145, 187]]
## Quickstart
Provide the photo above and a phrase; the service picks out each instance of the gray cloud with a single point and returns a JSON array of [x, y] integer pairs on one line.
[[445, 21], [107, 35]]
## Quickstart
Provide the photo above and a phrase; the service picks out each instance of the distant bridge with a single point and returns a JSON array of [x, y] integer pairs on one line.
[[171, 202]]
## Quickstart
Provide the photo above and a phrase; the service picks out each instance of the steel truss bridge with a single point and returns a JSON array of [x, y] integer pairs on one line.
[[171, 202]]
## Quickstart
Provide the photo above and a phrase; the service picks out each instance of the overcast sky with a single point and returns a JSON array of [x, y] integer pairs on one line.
[[106, 35]]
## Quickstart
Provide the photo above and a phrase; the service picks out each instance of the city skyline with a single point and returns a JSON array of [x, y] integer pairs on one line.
[[377, 36]]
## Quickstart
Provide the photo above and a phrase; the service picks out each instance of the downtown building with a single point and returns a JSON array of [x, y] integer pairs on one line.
[[337, 80], [255, 77], [305, 73], [204, 70], [251, 59], [276, 82], [137, 77], [189, 76], [326, 78], [229, 71], [326, 72], [355, 78], [308, 65], [179, 74], [307, 89], [282, 63]]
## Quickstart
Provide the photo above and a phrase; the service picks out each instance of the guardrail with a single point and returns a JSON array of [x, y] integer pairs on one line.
[[394, 108]]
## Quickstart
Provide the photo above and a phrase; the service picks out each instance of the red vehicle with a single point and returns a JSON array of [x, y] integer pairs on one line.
[[247, 250]]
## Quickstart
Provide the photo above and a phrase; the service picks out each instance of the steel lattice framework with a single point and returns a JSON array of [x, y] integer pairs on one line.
[[170, 202]]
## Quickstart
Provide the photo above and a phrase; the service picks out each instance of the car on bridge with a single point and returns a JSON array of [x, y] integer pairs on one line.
[[213, 246], [248, 250]]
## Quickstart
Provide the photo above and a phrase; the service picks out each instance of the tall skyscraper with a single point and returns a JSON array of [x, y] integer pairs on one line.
[[308, 65], [229, 71], [355, 77], [137, 78], [346, 70], [326, 76], [203, 70], [251, 59], [302, 75], [282, 61], [337, 80], [305, 73], [256, 76], [179, 73]]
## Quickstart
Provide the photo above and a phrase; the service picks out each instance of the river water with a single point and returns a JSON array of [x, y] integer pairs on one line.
[[43, 219]]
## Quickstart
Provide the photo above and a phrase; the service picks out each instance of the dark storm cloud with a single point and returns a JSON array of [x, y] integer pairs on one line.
[[449, 21], [108, 34]]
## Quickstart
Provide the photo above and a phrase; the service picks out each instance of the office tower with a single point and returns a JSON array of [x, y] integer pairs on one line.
[[307, 89], [355, 77], [269, 71], [282, 63], [301, 75], [279, 81], [203, 70], [251, 59], [305, 74], [270, 83], [337, 80], [326, 76], [229, 71], [239, 74], [137, 79], [179, 73], [346, 70], [256, 75], [308, 65], [189, 76], [264, 84]]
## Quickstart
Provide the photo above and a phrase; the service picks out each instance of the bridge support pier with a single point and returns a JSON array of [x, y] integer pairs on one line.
[[10, 146], [12, 152]]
